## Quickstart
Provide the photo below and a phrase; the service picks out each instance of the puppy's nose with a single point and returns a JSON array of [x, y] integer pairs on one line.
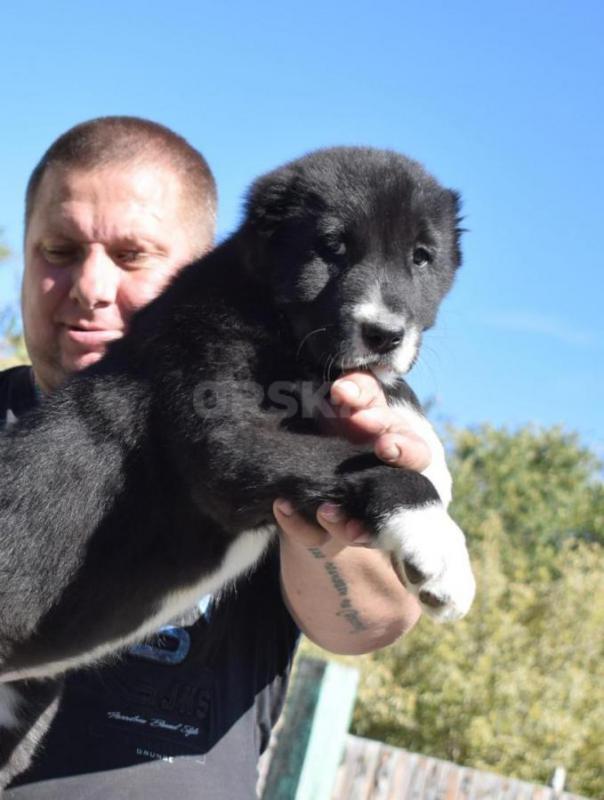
[[379, 339]]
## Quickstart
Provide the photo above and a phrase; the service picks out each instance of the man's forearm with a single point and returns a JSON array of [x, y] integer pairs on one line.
[[348, 600]]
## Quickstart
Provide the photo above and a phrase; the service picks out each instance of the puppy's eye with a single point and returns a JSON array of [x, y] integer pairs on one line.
[[422, 257], [331, 247], [336, 247]]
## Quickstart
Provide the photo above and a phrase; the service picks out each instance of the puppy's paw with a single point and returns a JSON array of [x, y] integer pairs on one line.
[[430, 551]]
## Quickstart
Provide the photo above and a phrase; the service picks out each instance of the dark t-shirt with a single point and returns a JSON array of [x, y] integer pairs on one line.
[[186, 715]]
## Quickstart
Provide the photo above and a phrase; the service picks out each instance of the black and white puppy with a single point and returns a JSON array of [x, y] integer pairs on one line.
[[148, 479]]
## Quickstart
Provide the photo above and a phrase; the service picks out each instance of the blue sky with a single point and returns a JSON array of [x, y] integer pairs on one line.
[[503, 101]]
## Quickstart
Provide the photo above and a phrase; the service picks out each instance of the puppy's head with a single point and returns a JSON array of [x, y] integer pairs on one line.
[[358, 247]]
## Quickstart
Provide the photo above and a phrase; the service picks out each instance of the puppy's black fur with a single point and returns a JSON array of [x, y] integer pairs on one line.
[[133, 481]]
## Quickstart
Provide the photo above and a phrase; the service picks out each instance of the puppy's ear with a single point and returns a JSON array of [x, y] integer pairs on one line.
[[274, 203], [456, 204], [270, 201], [277, 198]]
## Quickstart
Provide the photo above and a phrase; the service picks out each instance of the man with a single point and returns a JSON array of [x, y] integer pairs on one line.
[[114, 209]]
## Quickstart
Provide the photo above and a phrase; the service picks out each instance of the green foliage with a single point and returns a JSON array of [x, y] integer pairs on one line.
[[514, 687], [517, 687], [12, 344], [4, 251], [543, 485]]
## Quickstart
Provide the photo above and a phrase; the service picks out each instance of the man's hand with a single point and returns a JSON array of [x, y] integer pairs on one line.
[[361, 414], [344, 595]]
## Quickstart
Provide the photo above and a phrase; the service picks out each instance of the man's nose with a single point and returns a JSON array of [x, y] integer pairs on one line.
[[95, 280]]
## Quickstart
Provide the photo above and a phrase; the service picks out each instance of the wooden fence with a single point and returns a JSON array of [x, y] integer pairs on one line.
[[374, 771], [312, 757]]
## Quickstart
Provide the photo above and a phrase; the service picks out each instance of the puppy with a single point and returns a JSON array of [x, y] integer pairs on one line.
[[147, 480]]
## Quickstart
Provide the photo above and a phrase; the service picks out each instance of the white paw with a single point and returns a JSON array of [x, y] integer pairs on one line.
[[434, 562]]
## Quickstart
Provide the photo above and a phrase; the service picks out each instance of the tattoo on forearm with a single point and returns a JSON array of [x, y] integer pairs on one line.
[[352, 615], [337, 580], [346, 608]]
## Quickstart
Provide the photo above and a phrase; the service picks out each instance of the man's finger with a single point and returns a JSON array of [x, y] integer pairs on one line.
[[296, 528], [403, 450], [333, 526], [340, 527], [357, 390]]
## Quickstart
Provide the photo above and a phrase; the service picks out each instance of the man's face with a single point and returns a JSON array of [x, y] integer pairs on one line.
[[100, 244]]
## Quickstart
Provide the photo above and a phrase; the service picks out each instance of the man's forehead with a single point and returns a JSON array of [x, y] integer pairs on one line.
[[138, 182], [136, 192]]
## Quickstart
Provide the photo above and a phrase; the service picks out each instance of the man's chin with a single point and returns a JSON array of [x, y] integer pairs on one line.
[[75, 363]]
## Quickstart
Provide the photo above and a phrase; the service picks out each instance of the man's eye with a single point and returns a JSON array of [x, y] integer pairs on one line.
[[129, 256], [59, 255], [422, 257]]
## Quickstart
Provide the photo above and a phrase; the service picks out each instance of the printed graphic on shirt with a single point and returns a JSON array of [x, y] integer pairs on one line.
[[170, 645], [159, 715]]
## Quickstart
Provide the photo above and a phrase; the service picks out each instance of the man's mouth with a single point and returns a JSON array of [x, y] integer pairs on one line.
[[90, 336]]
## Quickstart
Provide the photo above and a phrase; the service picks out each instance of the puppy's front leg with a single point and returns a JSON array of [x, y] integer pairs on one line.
[[241, 468], [401, 508]]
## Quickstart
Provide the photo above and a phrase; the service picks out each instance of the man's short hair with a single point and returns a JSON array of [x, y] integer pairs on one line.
[[107, 141]]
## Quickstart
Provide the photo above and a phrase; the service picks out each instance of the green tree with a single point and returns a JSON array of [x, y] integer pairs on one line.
[[517, 686], [12, 344], [4, 251], [543, 485]]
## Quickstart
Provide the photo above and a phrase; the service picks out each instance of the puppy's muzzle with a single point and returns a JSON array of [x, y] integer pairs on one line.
[[381, 340]]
